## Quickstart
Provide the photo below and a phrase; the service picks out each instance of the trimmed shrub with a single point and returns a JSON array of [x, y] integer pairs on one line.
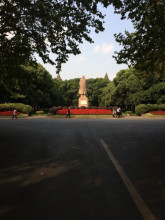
[[59, 107], [161, 107], [53, 110], [20, 107], [152, 107], [27, 109], [39, 112], [141, 109], [7, 106], [129, 112]]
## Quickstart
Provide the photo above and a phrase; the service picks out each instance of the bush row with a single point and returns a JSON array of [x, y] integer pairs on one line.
[[39, 112], [144, 108], [20, 107], [54, 109]]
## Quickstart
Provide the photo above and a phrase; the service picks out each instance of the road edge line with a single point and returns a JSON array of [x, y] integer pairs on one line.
[[141, 205]]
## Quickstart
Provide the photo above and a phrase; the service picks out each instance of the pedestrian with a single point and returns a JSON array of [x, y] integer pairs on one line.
[[14, 114], [114, 113], [68, 113], [118, 112]]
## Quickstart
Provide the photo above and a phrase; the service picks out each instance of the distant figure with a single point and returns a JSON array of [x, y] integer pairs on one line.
[[114, 113], [68, 113], [14, 114], [82, 90], [118, 112]]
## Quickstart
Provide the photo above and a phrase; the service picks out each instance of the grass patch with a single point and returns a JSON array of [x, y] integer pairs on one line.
[[129, 113]]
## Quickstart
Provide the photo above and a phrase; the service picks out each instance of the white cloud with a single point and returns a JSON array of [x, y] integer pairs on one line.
[[104, 48], [78, 59], [96, 49]]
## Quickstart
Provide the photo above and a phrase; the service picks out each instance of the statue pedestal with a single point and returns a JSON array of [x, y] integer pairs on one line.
[[83, 101]]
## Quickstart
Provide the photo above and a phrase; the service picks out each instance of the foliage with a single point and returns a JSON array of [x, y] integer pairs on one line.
[[35, 86], [68, 92], [27, 109], [145, 47], [18, 106], [44, 26], [53, 110], [129, 90], [39, 112], [161, 107], [40, 83], [94, 90], [142, 108]]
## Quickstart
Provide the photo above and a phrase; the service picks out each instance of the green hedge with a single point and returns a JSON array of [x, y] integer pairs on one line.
[[144, 108], [20, 107], [39, 112], [161, 107]]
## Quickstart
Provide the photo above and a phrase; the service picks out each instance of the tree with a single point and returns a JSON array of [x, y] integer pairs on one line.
[[31, 85], [44, 26], [94, 90], [145, 48], [107, 95], [38, 87], [68, 92], [129, 90]]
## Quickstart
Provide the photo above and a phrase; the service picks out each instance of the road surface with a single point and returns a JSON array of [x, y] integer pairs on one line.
[[82, 169]]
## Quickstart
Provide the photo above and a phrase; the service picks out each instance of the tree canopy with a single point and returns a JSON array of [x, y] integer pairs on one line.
[[34, 86], [145, 47], [28, 27], [94, 90], [128, 90], [31, 85], [43, 26]]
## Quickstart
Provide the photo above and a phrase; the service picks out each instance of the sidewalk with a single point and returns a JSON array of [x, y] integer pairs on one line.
[[87, 117]]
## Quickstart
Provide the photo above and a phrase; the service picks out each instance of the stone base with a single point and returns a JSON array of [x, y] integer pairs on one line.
[[83, 101]]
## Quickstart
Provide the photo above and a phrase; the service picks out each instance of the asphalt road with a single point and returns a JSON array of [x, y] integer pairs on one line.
[[82, 169]]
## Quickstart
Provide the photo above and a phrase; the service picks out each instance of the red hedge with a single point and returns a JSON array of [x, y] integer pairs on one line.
[[8, 113], [157, 112], [85, 112]]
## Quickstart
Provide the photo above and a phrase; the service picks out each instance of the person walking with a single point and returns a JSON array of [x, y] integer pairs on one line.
[[14, 114], [118, 112], [114, 113], [68, 113]]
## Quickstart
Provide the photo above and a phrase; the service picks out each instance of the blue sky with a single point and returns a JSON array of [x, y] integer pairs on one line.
[[95, 59]]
